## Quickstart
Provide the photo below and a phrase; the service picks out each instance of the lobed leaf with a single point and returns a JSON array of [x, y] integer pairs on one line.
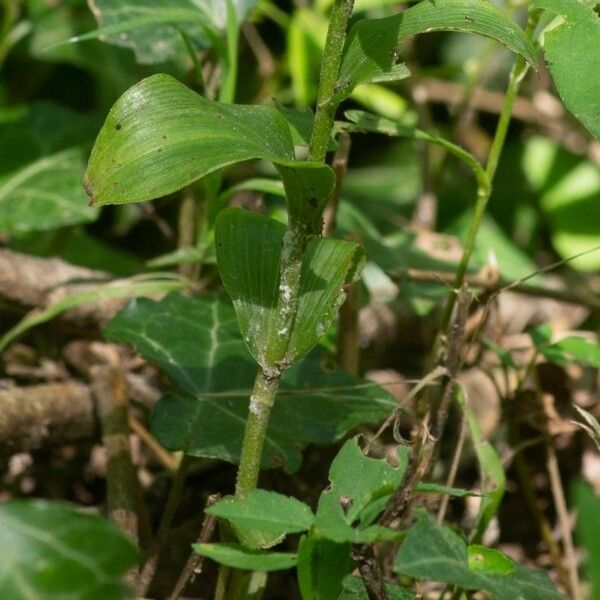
[[373, 45], [197, 343]]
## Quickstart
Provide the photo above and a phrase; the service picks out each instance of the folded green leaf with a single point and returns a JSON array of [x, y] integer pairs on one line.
[[161, 136], [437, 553], [196, 341], [572, 50], [373, 45], [234, 555], [249, 252], [265, 511], [52, 550]]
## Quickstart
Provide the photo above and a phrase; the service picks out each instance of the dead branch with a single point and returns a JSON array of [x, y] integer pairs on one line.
[[44, 415]]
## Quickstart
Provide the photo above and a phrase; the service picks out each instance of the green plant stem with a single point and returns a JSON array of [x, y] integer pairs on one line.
[[330, 68], [484, 188], [261, 402], [227, 92]]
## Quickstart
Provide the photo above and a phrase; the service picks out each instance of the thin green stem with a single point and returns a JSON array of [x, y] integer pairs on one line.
[[484, 188], [330, 68], [261, 402], [227, 92]]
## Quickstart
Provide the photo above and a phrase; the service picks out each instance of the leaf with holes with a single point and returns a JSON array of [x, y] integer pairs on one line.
[[197, 343], [51, 550]]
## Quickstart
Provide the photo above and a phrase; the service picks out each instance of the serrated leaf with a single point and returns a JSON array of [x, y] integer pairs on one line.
[[354, 589], [437, 553], [373, 45], [234, 555], [572, 51], [322, 567], [355, 481], [161, 136], [249, 252], [198, 344], [265, 511], [51, 550]]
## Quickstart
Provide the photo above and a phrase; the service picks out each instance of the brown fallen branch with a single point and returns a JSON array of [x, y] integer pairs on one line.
[[39, 416], [39, 282]]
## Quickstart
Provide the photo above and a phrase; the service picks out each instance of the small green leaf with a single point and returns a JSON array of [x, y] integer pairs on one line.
[[572, 51], [433, 552], [579, 349], [234, 555], [52, 550], [249, 250], [348, 495], [265, 511], [373, 45], [161, 136], [322, 567], [488, 561], [354, 589]]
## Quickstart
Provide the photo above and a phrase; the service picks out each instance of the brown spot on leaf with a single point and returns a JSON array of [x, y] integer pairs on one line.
[[118, 126]]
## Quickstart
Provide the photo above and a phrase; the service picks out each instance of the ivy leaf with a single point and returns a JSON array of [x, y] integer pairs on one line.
[[249, 249], [196, 341], [572, 50], [372, 47], [52, 550], [41, 166], [161, 136], [265, 511], [431, 551], [238, 557]]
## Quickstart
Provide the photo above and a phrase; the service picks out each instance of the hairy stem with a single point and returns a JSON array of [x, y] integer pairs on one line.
[[261, 402], [330, 68]]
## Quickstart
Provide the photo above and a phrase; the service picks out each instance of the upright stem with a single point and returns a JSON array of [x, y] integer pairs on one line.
[[484, 192], [261, 402], [330, 68]]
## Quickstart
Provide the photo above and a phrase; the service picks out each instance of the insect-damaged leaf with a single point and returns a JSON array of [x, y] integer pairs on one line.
[[198, 344], [249, 249], [161, 136]]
